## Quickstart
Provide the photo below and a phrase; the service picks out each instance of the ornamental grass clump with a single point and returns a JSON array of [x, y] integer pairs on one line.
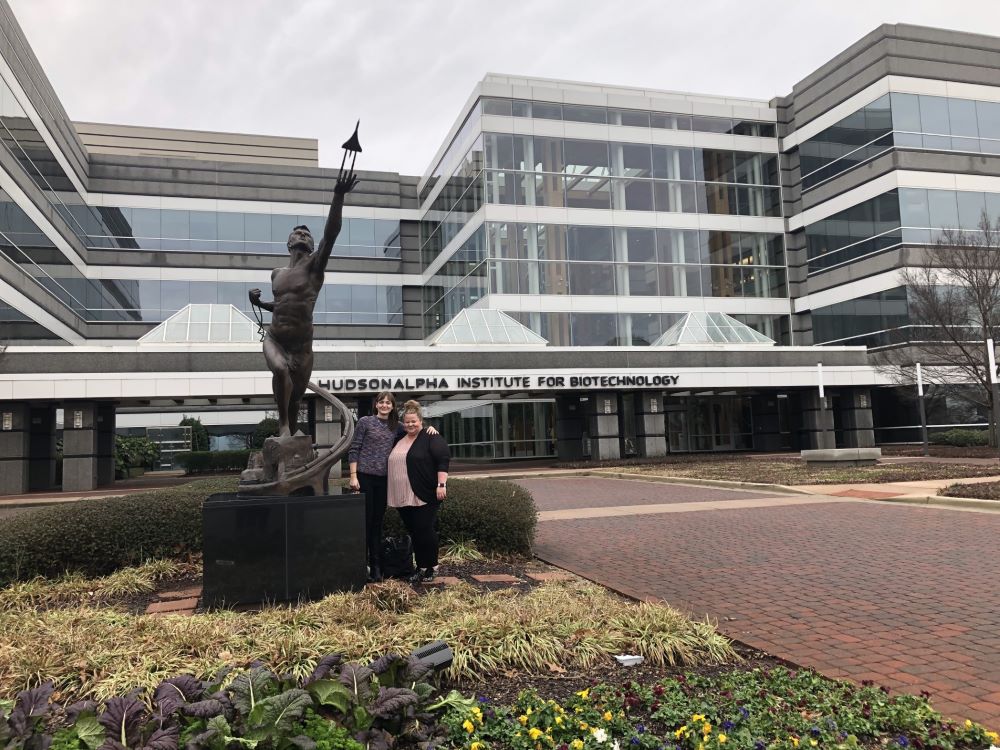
[[74, 588], [102, 651]]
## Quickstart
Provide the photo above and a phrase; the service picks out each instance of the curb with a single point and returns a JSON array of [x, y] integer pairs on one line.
[[722, 483], [943, 501], [26, 504], [527, 475]]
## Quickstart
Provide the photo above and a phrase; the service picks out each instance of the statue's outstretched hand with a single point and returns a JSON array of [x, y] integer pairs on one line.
[[346, 183], [255, 297]]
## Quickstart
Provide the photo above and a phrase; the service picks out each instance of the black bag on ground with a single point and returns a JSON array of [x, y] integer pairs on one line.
[[397, 557]]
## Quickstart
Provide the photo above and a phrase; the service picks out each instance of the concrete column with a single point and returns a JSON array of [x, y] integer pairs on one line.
[[817, 423], [650, 424], [856, 418], [327, 425], [328, 428], [570, 426], [88, 445], [42, 454], [14, 448], [604, 432]]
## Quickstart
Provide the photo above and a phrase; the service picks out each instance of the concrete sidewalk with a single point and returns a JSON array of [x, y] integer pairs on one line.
[[923, 491]]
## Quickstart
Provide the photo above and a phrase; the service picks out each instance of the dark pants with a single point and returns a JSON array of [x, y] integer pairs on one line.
[[421, 523], [375, 490]]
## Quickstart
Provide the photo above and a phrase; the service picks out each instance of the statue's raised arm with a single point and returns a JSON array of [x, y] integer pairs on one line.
[[334, 220]]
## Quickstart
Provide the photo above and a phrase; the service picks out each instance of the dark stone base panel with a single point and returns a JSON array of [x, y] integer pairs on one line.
[[282, 548]]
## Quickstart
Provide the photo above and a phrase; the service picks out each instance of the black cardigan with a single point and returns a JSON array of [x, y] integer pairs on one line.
[[427, 456]]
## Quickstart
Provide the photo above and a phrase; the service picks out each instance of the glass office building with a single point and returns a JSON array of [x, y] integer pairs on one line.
[[583, 270]]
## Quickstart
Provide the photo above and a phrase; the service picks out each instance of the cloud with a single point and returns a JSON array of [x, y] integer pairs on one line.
[[311, 68]]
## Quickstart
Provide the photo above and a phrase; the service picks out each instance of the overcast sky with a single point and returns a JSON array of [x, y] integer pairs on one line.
[[312, 67]]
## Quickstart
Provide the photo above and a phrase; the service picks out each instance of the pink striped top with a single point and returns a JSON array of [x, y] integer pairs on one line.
[[400, 492]]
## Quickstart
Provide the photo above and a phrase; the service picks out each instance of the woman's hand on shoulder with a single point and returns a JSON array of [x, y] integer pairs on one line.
[[429, 429]]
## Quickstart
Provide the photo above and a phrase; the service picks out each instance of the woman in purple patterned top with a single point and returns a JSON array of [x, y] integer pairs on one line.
[[368, 457]]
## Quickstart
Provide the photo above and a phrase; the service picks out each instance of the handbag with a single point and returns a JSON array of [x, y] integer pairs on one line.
[[397, 557]]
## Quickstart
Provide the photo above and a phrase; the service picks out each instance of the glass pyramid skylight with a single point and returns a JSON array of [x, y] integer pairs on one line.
[[481, 326], [711, 329], [204, 324]]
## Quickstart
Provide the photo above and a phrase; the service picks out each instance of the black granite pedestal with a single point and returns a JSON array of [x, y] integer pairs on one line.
[[281, 548]]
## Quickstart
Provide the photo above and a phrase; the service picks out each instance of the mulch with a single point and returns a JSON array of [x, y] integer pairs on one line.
[[466, 570], [560, 685], [941, 451]]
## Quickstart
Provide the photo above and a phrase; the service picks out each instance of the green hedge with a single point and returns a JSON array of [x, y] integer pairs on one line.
[[98, 536], [499, 516], [202, 462], [961, 438]]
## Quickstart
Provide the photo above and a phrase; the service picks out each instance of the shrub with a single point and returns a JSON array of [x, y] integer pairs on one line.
[[199, 435], [961, 438], [98, 536], [201, 462], [499, 516], [133, 452], [267, 427]]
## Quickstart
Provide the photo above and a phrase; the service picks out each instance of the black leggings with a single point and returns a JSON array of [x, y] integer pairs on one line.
[[374, 488], [421, 522]]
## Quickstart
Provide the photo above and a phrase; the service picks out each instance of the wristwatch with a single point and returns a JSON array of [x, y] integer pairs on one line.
[[442, 484]]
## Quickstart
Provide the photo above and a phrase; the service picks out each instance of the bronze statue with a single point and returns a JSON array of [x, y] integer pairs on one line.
[[288, 343], [290, 463]]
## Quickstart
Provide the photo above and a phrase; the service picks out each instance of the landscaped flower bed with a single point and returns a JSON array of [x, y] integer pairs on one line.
[[978, 490], [770, 709], [94, 645], [393, 702], [792, 471], [159, 683]]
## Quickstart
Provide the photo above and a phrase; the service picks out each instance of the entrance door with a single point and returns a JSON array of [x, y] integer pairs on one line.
[[722, 424], [677, 430]]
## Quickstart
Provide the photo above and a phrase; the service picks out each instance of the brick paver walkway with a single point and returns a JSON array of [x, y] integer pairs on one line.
[[906, 596], [593, 492]]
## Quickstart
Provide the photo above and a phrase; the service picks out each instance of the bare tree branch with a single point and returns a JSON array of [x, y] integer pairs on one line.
[[954, 300]]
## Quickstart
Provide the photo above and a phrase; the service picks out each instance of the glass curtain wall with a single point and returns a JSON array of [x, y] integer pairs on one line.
[[875, 320], [900, 120], [532, 259], [24, 143], [529, 170], [632, 117], [337, 304], [508, 430], [906, 215], [502, 168], [26, 246], [708, 423], [235, 232]]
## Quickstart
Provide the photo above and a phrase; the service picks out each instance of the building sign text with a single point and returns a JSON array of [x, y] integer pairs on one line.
[[475, 382]]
